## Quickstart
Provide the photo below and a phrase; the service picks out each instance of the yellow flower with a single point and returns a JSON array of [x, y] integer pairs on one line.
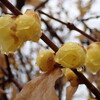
[[93, 57], [28, 26], [7, 37], [45, 60], [71, 55], [15, 30]]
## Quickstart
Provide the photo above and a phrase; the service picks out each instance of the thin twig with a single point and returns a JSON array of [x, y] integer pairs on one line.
[[93, 89], [4, 95], [86, 26], [13, 9], [70, 26], [51, 30], [6, 73], [23, 63], [10, 75], [8, 67], [90, 18], [16, 83]]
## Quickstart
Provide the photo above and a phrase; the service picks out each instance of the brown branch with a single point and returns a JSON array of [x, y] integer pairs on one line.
[[90, 18], [23, 63], [8, 67], [51, 30], [49, 42], [41, 5], [3, 96], [10, 79], [88, 84], [20, 4], [21, 57], [16, 83], [5, 72], [55, 48], [12, 9], [4, 10], [70, 26], [10, 75], [86, 26], [59, 86]]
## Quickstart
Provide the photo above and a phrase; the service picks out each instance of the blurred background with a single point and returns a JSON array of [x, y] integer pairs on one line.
[[84, 14]]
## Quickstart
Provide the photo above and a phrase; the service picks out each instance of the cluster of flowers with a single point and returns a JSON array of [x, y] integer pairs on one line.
[[71, 55], [15, 30]]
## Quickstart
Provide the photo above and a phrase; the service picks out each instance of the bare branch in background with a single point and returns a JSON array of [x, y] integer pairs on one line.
[[20, 4], [55, 48], [52, 32], [25, 60], [95, 17], [70, 26]]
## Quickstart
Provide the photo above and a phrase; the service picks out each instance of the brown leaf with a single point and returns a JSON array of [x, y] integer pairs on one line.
[[96, 34], [34, 2], [91, 99], [14, 91], [2, 91], [81, 37], [2, 60], [83, 9], [41, 88], [70, 92], [2, 64]]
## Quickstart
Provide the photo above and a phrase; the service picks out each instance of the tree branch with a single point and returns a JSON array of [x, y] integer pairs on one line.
[[70, 26], [10, 79], [49, 42], [51, 30], [12, 8], [90, 18], [82, 78], [8, 67]]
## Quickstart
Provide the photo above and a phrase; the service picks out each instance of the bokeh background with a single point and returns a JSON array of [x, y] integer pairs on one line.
[[84, 14]]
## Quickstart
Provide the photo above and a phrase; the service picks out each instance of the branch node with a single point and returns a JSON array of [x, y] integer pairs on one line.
[[71, 26]]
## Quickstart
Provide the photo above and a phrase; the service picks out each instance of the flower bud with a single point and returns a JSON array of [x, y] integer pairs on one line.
[[71, 55], [93, 57], [45, 60]]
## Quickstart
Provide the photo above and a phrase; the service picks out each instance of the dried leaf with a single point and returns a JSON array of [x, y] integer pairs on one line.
[[14, 91], [2, 64], [96, 34], [94, 78], [41, 88], [81, 37], [83, 10], [34, 2], [70, 92], [91, 99], [2, 91]]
